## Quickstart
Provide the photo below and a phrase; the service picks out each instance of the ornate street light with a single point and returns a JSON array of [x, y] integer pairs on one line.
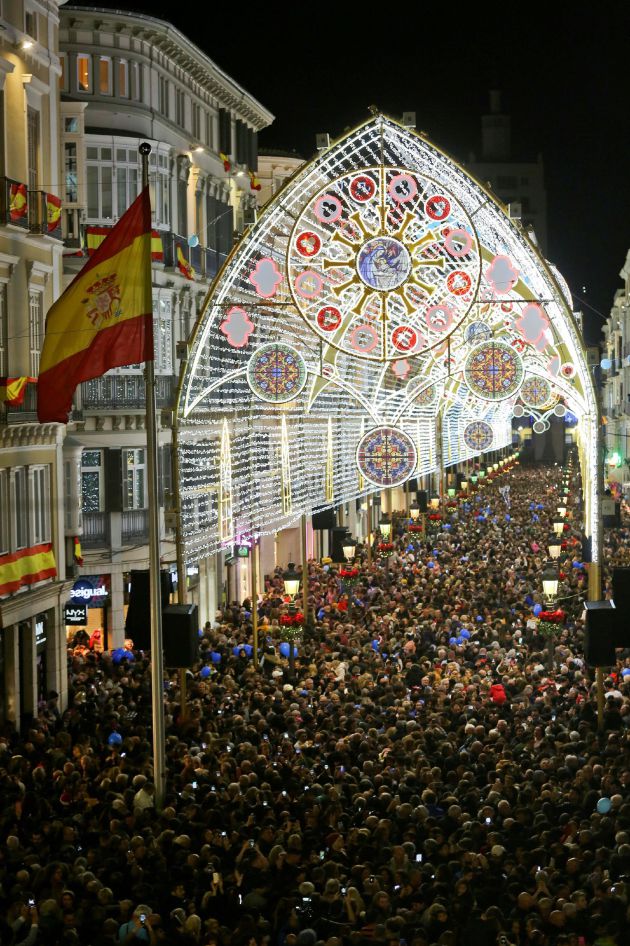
[[562, 511], [291, 580], [558, 526], [349, 548], [434, 502], [555, 547], [385, 527], [550, 582], [414, 511], [451, 492], [464, 485]]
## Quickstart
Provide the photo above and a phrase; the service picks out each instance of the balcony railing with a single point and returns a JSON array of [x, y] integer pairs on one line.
[[135, 525], [44, 214], [13, 202], [125, 392], [21, 413], [95, 530]]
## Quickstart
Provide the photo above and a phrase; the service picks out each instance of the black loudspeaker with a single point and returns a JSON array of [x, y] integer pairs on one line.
[[423, 500], [601, 633], [180, 635], [138, 620], [621, 591], [339, 536], [412, 485], [326, 519]]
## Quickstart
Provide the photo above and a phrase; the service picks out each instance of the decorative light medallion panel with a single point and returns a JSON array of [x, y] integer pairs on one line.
[[384, 295]]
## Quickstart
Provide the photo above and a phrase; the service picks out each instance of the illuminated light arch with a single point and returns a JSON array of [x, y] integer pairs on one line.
[[383, 264]]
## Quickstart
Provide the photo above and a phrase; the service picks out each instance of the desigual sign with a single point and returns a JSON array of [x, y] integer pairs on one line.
[[90, 588]]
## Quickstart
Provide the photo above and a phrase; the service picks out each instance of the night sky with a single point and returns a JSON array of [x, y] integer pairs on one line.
[[564, 77]]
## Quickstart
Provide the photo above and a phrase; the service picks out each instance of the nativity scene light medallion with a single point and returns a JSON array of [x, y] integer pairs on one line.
[[386, 456], [276, 373], [383, 264]]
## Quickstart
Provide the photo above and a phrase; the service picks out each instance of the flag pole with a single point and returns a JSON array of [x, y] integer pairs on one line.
[[157, 657]]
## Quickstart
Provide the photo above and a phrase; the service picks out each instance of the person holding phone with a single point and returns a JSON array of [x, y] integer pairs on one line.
[[138, 928]]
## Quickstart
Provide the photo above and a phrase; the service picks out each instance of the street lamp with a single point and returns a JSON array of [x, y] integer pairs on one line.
[[414, 511], [555, 547], [349, 548], [558, 526], [473, 479], [291, 580], [550, 582], [464, 485], [434, 502], [562, 511], [385, 527], [451, 492]]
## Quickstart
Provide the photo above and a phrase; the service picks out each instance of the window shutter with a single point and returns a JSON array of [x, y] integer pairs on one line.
[[113, 480]]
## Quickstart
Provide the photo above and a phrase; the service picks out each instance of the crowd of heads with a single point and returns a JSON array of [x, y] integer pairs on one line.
[[430, 770]]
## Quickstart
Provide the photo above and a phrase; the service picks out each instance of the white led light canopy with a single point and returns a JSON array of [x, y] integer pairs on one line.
[[385, 294]]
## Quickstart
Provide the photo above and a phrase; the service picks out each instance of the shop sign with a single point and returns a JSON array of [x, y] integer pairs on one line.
[[91, 589], [75, 615], [40, 632]]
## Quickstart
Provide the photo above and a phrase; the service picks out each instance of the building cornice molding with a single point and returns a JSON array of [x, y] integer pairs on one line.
[[171, 42]]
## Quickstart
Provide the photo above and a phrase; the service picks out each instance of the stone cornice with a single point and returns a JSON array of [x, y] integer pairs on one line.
[[169, 41]]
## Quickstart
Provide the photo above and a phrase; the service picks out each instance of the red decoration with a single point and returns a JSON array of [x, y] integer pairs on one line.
[[435, 516], [292, 620], [553, 617], [385, 546]]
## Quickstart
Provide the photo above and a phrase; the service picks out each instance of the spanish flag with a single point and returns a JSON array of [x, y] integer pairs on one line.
[[12, 390], [183, 265], [77, 553], [227, 164], [26, 567], [18, 202], [254, 183], [104, 318], [53, 212]]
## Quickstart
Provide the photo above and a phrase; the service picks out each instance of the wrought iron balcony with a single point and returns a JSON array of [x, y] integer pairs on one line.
[[23, 413], [135, 526], [14, 203], [95, 530], [124, 392]]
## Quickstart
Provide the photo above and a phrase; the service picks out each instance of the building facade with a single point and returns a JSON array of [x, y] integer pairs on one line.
[[616, 384], [519, 183], [128, 78], [32, 535]]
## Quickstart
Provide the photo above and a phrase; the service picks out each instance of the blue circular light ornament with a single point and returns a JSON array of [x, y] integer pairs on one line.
[[430, 564], [604, 805], [114, 739], [465, 633], [375, 645], [452, 641], [625, 672], [479, 619], [239, 647], [508, 517], [537, 609], [285, 649], [535, 518], [460, 640], [249, 650], [576, 564], [204, 673], [215, 657]]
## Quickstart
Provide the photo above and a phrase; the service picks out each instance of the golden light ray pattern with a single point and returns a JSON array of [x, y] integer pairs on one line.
[[392, 281]]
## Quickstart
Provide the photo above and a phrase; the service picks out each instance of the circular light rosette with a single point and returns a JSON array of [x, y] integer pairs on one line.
[[493, 371], [536, 392], [386, 456], [276, 373], [478, 435], [383, 246]]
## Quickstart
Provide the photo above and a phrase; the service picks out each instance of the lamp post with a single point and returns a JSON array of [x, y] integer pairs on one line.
[[555, 547], [550, 582], [385, 528], [349, 548], [291, 580], [562, 511], [550, 590], [414, 511], [558, 526]]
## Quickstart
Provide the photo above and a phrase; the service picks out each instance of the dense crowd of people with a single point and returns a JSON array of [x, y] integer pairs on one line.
[[431, 773]]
